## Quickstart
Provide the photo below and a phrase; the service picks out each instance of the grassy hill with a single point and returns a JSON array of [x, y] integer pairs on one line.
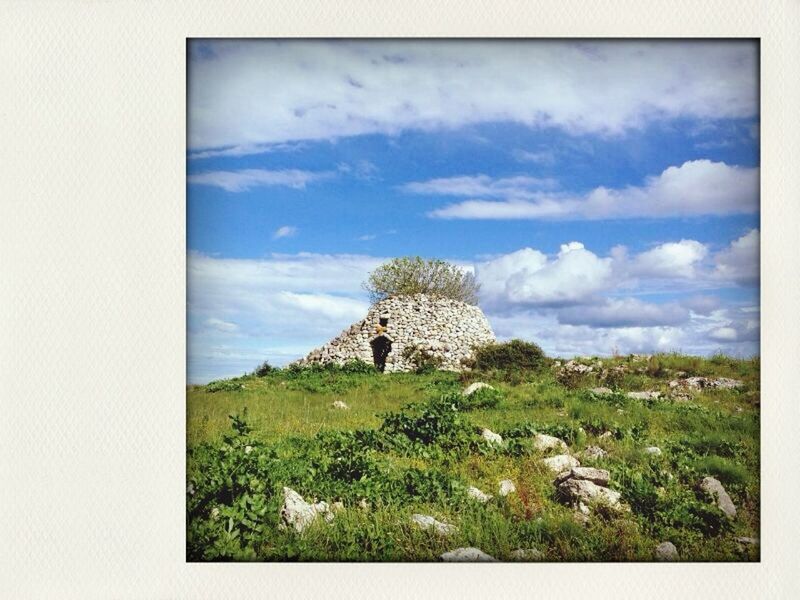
[[411, 443]]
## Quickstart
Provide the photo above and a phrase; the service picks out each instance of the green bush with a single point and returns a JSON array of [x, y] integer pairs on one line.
[[435, 422], [263, 369], [224, 385], [414, 275], [424, 361], [482, 398], [510, 356]]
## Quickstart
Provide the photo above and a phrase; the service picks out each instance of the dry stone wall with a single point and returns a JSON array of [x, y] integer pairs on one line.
[[441, 327]]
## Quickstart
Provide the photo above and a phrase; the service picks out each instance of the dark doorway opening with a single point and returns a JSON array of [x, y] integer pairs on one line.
[[381, 346]]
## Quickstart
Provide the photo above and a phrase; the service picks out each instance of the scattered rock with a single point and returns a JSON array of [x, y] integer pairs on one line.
[[506, 487], [712, 486], [601, 391], [748, 541], [605, 436], [666, 552], [544, 442], [492, 437], [576, 491], [561, 462], [598, 476], [478, 495], [340, 405], [654, 450], [701, 383], [428, 522], [298, 513], [650, 395], [526, 554], [475, 387], [594, 452], [467, 555], [363, 504]]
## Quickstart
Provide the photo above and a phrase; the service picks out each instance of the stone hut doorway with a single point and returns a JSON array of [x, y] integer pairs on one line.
[[381, 346]]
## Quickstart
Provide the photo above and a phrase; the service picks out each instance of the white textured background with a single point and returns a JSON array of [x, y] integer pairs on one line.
[[92, 296]]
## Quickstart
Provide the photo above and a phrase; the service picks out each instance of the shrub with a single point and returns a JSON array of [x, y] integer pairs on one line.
[[356, 366], [483, 398], [414, 275], [509, 356], [436, 421], [263, 369], [224, 385]]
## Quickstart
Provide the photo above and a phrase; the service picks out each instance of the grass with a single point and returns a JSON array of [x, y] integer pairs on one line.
[[420, 459]]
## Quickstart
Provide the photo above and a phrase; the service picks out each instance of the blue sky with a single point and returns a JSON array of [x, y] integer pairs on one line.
[[605, 194]]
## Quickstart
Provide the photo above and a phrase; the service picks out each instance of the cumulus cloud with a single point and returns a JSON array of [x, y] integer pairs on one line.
[[528, 277], [245, 179], [702, 305], [258, 92], [699, 187], [285, 231], [672, 259], [221, 325], [739, 262]]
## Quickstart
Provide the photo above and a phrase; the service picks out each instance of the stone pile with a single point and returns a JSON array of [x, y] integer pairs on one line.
[[439, 327], [582, 486]]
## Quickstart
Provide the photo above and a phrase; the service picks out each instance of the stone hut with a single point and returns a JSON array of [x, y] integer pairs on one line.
[[438, 326]]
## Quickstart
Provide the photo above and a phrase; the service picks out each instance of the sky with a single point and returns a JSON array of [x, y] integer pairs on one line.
[[604, 193]]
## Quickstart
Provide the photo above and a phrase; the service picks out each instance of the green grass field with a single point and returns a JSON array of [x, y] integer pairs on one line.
[[421, 459]]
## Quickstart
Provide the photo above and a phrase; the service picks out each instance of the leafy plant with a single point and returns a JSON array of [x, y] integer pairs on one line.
[[509, 356], [415, 275]]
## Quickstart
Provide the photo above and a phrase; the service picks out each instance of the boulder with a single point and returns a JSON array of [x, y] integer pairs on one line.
[[654, 450], [561, 462], [526, 554], [576, 491], [748, 541], [544, 442], [601, 391], [472, 388], [340, 405], [492, 437], [666, 552], [478, 495], [428, 522], [467, 555], [598, 476], [506, 487], [712, 486], [594, 452], [298, 513]]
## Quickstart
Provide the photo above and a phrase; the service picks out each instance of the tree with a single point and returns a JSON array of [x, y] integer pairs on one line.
[[414, 275]]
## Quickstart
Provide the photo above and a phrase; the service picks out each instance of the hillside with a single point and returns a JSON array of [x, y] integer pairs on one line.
[[371, 466]]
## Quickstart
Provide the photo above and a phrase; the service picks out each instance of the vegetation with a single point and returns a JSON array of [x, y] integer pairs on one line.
[[411, 443], [414, 275]]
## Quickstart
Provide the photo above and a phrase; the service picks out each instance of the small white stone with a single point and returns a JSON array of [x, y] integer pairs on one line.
[[428, 522], [526, 554], [666, 552], [561, 462], [492, 437], [340, 405], [467, 555], [478, 495], [654, 450], [506, 487]]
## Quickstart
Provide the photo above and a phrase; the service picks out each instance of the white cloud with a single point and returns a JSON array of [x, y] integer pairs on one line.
[[482, 185], [528, 277], [739, 262], [702, 305], [672, 259], [245, 179], [244, 150], [695, 188], [285, 231], [221, 325], [539, 157], [263, 92], [625, 312], [723, 334]]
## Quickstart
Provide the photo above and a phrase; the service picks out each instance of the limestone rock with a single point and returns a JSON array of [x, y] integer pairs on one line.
[[526, 554], [298, 513], [581, 490], [561, 462], [467, 555], [598, 476], [651, 395], [544, 442], [748, 541], [507, 487], [594, 452], [472, 388], [712, 486], [666, 552], [492, 437], [654, 450], [605, 436], [340, 405], [428, 522], [478, 495], [601, 391]]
